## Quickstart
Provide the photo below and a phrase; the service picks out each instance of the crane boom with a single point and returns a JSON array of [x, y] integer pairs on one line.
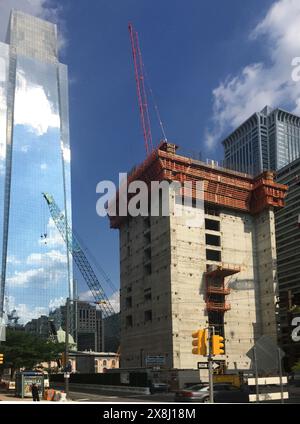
[[140, 88], [79, 257]]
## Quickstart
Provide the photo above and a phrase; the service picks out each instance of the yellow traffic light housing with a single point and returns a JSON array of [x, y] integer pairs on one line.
[[200, 342], [217, 345], [1, 358]]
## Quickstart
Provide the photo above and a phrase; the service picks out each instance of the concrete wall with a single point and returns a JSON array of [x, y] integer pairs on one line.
[[145, 337], [266, 265], [177, 255], [188, 263], [238, 235]]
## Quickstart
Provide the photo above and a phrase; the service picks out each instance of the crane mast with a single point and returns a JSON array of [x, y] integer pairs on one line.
[[79, 257]]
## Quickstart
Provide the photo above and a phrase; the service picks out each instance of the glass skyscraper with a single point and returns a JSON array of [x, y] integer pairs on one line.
[[36, 268], [268, 140]]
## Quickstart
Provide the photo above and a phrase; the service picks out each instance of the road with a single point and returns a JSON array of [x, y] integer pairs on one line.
[[79, 396], [96, 396], [101, 397]]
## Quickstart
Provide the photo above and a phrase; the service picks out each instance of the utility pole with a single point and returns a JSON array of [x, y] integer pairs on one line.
[[280, 374], [256, 373], [210, 333], [67, 346]]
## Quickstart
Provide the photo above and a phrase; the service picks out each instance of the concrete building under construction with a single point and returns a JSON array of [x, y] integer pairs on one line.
[[177, 278]]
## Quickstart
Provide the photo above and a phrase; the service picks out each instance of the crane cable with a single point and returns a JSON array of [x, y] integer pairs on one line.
[[154, 103], [97, 265]]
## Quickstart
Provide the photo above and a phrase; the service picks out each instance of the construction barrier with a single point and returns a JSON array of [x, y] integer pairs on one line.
[[49, 394], [268, 389], [57, 396], [63, 397]]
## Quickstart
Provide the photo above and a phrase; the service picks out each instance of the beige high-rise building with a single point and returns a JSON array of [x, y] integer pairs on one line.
[[177, 277]]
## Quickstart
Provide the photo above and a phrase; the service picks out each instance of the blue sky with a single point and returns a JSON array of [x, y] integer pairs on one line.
[[187, 48], [211, 64]]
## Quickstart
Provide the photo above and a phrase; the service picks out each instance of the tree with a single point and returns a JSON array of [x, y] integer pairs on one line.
[[296, 367], [25, 350]]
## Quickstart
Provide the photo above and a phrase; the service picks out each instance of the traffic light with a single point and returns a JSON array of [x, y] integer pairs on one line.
[[200, 342], [1, 358], [217, 345]]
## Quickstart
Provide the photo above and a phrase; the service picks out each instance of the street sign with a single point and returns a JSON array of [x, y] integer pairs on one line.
[[204, 365], [155, 360], [266, 355]]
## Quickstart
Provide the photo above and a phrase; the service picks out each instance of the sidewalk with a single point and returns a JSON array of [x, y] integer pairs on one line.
[[10, 397], [5, 396]]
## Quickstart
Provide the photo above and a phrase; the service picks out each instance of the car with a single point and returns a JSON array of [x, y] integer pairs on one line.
[[159, 387], [223, 393]]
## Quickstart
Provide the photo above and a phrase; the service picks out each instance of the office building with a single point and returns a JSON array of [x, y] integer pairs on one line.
[[268, 140], [38, 326], [85, 321], [36, 269], [288, 258], [177, 277], [111, 328], [89, 327]]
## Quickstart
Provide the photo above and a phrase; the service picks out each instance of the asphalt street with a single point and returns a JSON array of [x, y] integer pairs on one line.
[[78, 396]]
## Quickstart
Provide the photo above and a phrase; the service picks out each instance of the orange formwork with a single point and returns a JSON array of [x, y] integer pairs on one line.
[[215, 285], [222, 187]]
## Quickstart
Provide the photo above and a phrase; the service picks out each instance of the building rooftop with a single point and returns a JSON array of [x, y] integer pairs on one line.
[[223, 187]]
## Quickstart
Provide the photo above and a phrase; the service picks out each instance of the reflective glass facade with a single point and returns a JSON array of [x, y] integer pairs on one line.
[[36, 269], [288, 257], [269, 139]]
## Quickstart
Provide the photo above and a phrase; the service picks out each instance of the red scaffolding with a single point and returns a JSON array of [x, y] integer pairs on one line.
[[222, 186]]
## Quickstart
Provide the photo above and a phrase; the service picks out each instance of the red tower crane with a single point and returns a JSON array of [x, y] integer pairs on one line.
[[140, 88]]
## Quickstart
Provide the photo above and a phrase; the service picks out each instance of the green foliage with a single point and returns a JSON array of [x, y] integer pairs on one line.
[[23, 349], [295, 309], [296, 367]]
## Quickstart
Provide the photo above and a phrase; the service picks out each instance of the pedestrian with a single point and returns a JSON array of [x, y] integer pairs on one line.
[[35, 393]]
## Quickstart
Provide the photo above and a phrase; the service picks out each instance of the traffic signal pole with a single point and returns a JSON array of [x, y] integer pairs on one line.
[[206, 343], [210, 334]]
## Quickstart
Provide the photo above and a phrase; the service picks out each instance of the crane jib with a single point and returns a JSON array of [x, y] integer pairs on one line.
[[80, 258]]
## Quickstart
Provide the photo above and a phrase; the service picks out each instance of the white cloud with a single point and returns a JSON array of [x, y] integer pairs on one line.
[[25, 148], [13, 260], [114, 299], [262, 83], [66, 153], [47, 257], [41, 8], [32, 107], [48, 267], [87, 296], [24, 312], [27, 313], [23, 278], [54, 238], [56, 303]]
